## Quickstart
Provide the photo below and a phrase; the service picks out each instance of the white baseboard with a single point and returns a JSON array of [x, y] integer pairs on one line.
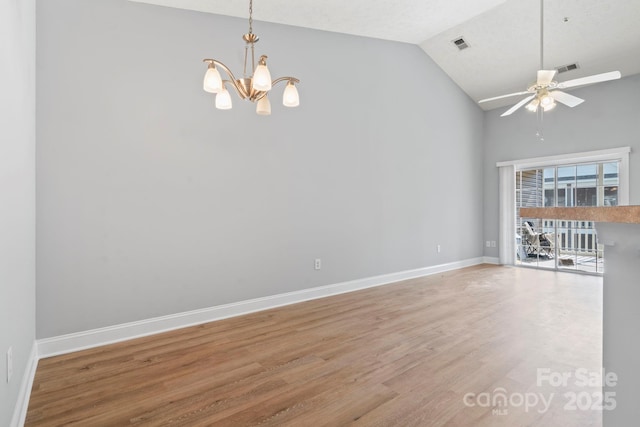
[[491, 260], [20, 410], [93, 338]]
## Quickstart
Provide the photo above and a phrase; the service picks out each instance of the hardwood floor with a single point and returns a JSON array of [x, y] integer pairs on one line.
[[404, 354]]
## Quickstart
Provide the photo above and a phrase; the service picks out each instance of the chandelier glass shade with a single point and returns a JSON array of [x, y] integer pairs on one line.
[[254, 87]]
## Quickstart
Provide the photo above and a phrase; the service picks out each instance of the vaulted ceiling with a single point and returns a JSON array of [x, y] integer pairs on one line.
[[503, 35]]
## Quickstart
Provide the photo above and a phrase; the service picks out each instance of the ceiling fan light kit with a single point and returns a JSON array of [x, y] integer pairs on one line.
[[254, 88], [544, 101], [544, 94]]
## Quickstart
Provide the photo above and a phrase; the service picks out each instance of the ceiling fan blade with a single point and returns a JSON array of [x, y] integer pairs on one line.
[[596, 78], [503, 96], [566, 99], [518, 105], [545, 77]]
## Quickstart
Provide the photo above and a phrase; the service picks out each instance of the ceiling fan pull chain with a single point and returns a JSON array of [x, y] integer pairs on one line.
[[540, 132]]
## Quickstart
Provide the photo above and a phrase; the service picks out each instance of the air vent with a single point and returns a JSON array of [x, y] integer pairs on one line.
[[460, 43], [566, 68]]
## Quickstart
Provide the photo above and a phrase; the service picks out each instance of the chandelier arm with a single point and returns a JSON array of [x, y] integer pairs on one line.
[[283, 79], [239, 89], [276, 81], [235, 86]]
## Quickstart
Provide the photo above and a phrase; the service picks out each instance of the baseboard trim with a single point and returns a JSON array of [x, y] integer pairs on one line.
[[20, 410], [63, 344], [491, 260]]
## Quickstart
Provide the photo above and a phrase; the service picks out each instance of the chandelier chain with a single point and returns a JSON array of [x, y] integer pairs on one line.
[[246, 48], [250, 16]]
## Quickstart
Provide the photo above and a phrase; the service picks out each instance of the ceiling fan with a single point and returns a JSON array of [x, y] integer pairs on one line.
[[544, 93]]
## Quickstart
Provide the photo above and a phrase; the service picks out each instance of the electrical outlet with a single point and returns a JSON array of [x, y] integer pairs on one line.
[[318, 264], [438, 248], [493, 243], [9, 364]]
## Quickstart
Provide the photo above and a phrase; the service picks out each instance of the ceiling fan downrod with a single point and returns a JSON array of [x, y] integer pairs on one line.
[[542, 34]]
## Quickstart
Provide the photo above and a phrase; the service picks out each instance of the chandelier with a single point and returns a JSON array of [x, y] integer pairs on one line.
[[254, 88]]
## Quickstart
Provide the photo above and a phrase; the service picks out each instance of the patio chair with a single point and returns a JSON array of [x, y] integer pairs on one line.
[[537, 244]]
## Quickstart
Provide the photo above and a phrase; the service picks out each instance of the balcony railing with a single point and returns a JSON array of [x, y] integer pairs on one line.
[[571, 245]]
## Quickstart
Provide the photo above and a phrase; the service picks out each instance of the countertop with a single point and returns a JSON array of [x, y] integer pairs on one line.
[[619, 214]]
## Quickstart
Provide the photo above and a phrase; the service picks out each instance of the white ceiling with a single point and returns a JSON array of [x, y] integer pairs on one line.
[[503, 35]]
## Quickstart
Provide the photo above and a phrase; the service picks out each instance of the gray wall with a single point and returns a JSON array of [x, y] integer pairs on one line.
[[609, 118], [151, 202], [17, 194], [621, 317]]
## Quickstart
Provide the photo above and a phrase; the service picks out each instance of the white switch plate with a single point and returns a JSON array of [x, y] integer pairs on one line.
[[488, 244], [438, 248], [493, 243], [9, 364], [318, 264]]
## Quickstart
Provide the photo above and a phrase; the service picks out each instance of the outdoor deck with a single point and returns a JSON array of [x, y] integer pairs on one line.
[[588, 264]]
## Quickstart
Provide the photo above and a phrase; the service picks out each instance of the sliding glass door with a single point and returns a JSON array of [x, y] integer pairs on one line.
[[563, 245]]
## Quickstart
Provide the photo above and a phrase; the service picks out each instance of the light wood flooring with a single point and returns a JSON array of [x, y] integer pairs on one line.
[[404, 354]]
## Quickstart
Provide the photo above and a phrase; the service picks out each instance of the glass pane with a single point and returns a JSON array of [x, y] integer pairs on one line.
[[567, 185], [549, 186], [531, 188], [587, 175], [561, 198], [549, 198], [549, 175], [587, 196], [535, 247], [611, 196], [578, 248], [611, 174]]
